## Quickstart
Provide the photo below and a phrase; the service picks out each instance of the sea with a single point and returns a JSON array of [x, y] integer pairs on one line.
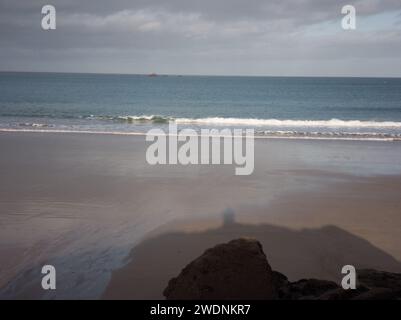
[[289, 107]]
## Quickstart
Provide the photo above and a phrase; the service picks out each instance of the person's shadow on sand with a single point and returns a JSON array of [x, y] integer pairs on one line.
[[307, 253]]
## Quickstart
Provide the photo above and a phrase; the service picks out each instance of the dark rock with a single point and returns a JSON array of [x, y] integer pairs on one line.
[[236, 270], [310, 288], [376, 294], [382, 285], [373, 279], [239, 270], [341, 294], [281, 285]]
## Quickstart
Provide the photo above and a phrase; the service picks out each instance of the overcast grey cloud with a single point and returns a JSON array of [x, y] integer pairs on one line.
[[253, 37]]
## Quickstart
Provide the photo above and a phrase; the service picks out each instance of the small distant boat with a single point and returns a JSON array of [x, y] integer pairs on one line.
[[152, 75]]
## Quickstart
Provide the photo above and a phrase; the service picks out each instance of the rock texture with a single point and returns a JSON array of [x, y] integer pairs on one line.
[[236, 270], [239, 270]]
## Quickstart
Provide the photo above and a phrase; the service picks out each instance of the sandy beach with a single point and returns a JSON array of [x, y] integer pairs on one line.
[[199, 158], [116, 227]]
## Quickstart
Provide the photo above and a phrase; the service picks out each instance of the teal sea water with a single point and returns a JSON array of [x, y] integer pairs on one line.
[[274, 106]]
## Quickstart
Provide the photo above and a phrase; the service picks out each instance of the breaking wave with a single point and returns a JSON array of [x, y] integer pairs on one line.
[[273, 128], [135, 119], [333, 123]]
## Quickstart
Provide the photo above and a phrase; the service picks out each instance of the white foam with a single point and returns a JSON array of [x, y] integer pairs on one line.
[[288, 123], [333, 123], [276, 135]]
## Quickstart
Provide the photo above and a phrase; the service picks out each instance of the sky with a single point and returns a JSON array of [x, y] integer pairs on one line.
[[205, 37]]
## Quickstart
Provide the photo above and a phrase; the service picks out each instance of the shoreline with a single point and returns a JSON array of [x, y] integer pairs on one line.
[[256, 136]]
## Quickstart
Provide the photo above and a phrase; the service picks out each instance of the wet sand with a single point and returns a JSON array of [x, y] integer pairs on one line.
[[304, 235], [91, 206]]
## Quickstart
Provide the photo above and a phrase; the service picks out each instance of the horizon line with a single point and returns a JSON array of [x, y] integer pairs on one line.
[[200, 75]]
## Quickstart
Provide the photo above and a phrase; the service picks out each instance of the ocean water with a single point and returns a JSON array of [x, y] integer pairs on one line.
[[351, 108]]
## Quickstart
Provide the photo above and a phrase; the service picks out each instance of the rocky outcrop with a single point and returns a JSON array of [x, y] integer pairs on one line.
[[236, 270], [239, 270]]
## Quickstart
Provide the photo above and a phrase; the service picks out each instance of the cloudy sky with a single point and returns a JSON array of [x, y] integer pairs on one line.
[[225, 37]]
